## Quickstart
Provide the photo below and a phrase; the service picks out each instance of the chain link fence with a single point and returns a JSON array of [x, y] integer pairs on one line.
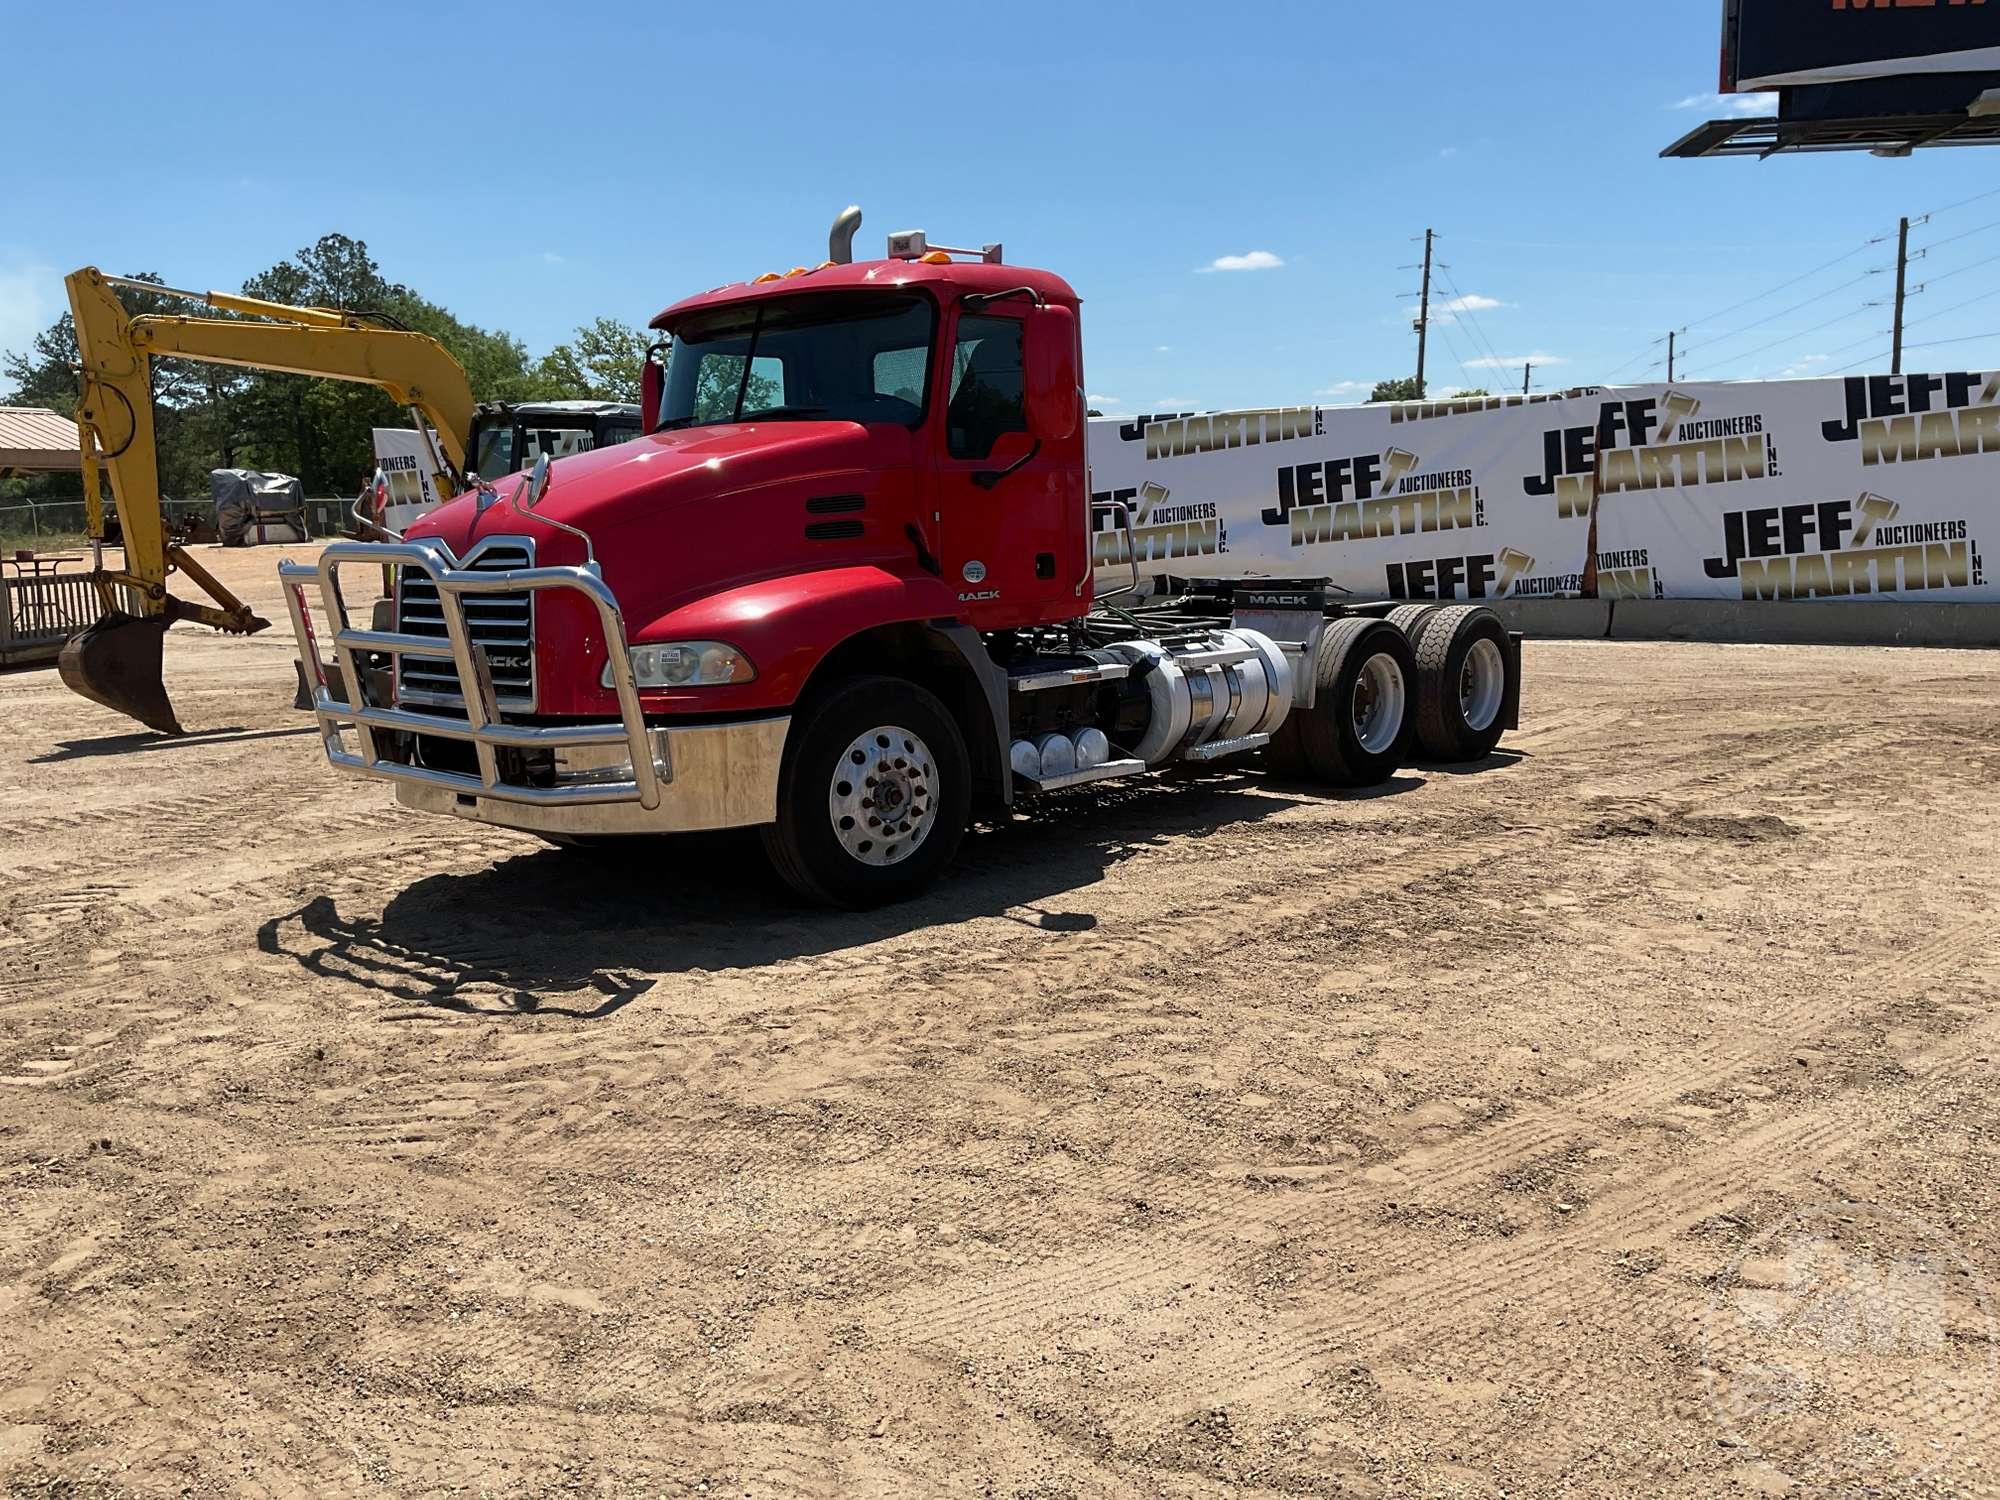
[[33, 523]]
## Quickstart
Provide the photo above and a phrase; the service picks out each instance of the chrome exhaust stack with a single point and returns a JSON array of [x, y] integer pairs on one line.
[[840, 243]]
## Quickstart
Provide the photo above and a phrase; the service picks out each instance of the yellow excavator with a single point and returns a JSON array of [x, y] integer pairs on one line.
[[116, 662]]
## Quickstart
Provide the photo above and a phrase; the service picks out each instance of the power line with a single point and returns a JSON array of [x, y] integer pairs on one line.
[[1930, 281], [1476, 330], [1444, 332], [1869, 338], [1954, 238], [1796, 307], [1975, 198], [1787, 285], [1639, 356], [1970, 338], [1947, 311], [1788, 338]]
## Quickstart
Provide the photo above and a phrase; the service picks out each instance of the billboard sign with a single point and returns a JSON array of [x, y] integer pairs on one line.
[[1781, 43], [1476, 498]]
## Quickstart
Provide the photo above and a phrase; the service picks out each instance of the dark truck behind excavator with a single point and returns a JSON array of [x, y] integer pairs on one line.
[[841, 592]]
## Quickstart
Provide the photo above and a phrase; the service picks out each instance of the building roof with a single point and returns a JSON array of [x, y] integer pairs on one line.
[[36, 440]]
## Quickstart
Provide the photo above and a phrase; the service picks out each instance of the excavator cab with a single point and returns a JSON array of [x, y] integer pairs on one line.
[[508, 437]]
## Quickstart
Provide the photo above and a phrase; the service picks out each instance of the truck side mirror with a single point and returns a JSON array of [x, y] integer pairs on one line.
[[1049, 373], [652, 389]]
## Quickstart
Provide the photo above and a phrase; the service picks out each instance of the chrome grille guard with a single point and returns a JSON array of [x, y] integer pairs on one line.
[[481, 726]]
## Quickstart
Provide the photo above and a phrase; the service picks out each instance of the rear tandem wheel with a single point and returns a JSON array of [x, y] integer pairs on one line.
[[1462, 682], [1358, 730]]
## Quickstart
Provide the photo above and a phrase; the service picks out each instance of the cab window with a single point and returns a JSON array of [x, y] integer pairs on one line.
[[986, 386]]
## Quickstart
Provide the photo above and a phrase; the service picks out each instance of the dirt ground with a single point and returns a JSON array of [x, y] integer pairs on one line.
[[1615, 1117]]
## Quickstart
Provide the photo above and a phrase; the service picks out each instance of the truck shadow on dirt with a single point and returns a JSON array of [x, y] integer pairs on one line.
[[148, 740], [582, 935]]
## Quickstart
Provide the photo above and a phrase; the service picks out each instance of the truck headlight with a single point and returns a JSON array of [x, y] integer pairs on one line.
[[683, 664]]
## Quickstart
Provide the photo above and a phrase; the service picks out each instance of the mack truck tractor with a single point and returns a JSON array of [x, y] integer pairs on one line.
[[840, 591]]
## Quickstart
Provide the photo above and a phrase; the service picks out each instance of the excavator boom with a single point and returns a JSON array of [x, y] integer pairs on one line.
[[116, 662]]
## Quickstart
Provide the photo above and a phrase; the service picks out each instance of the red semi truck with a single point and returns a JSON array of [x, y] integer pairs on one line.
[[840, 591]]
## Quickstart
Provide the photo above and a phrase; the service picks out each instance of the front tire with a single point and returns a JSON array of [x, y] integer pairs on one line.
[[874, 794]]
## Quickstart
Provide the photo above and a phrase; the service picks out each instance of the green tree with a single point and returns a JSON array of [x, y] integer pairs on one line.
[[191, 400], [320, 430], [216, 416], [721, 378], [1404, 389], [601, 363]]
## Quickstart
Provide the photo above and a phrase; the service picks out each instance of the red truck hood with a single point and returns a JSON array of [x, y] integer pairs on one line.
[[608, 489], [682, 519]]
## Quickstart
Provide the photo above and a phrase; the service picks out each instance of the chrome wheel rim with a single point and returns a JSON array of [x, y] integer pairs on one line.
[[882, 797], [1379, 696], [1482, 684]]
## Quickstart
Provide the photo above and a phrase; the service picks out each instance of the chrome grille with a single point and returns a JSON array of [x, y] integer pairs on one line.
[[502, 625]]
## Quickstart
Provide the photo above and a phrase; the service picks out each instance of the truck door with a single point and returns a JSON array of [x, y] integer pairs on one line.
[[1004, 541]]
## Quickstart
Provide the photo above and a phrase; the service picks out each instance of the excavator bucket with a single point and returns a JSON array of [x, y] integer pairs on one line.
[[116, 662]]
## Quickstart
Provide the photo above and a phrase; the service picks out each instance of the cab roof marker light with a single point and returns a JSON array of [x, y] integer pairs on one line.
[[767, 276], [914, 244]]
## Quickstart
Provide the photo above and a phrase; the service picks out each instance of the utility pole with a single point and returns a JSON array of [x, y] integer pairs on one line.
[[1424, 316], [1902, 278], [1670, 356], [1527, 376]]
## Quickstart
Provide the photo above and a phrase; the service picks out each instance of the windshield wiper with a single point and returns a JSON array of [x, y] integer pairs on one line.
[[779, 413]]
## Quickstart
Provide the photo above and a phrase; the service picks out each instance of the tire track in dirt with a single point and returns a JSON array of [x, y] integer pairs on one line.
[[1480, 1155], [1439, 1297], [567, 1087], [917, 1069]]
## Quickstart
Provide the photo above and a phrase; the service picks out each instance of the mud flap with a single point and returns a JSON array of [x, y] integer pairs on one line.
[[116, 662], [1510, 706]]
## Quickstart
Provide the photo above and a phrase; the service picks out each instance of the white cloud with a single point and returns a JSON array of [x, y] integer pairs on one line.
[[1448, 153], [1741, 106], [1514, 362], [552, 258], [27, 305], [1163, 348], [1805, 364], [1255, 260], [1100, 402], [1344, 390], [1173, 403], [1448, 310]]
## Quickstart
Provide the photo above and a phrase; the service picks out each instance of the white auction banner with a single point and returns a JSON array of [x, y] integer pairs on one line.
[[404, 457], [1881, 486], [1465, 499]]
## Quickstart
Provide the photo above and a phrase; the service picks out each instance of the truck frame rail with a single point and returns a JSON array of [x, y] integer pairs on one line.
[[482, 726]]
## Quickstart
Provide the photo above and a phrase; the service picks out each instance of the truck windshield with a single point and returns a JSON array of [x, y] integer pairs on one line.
[[840, 358]]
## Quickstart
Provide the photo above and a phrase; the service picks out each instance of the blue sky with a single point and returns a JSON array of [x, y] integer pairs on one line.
[[532, 167]]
